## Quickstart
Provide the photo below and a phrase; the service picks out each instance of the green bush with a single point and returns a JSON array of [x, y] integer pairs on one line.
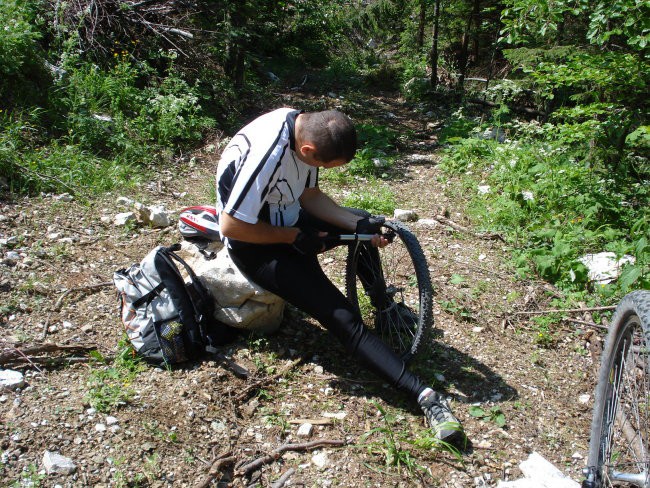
[[20, 68], [554, 206]]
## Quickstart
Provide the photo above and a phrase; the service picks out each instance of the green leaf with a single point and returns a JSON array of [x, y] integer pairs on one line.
[[500, 420], [629, 276], [475, 411], [457, 279]]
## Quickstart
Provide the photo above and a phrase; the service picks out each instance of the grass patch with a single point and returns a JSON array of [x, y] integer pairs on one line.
[[554, 208]]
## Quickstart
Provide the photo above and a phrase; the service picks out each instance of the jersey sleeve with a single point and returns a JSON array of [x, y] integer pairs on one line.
[[256, 174]]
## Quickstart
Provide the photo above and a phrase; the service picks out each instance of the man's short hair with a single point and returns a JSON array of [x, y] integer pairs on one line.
[[332, 133]]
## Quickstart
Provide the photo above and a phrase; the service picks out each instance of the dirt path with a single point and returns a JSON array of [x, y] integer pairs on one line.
[[176, 423]]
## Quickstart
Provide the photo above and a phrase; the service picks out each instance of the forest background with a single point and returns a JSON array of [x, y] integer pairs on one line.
[[540, 105]]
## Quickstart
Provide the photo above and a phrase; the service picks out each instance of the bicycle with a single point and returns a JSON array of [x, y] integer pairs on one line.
[[390, 286], [619, 446]]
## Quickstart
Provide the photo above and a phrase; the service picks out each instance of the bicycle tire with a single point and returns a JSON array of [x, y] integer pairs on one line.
[[405, 317], [618, 448]]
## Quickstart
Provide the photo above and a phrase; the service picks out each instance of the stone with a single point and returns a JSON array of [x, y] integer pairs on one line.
[[405, 215], [305, 430], [158, 216], [539, 473], [420, 158], [241, 303], [124, 201], [123, 218], [64, 197], [11, 380], [56, 463], [321, 460], [604, 267]]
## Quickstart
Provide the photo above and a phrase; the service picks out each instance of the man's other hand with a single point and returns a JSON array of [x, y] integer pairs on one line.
[[309, 241]]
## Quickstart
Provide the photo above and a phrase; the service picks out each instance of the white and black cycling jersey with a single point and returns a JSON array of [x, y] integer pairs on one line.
[[259, 176]]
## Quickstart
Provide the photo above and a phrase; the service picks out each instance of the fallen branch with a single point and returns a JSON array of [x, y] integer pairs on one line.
[[566, 310], [14, 355], [460, 228], [279, 483], [269, 379], [218, 465], [91, 288], [277, 453], [584, 322]]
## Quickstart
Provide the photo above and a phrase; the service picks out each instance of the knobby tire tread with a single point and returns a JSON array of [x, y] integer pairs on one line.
[[425, 288], [633, 304]]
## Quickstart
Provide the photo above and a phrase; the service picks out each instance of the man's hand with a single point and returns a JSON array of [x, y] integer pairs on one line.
[[309, 241], [370, 225]]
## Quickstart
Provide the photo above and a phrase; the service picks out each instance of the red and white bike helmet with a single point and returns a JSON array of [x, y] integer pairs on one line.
[[199, 221]]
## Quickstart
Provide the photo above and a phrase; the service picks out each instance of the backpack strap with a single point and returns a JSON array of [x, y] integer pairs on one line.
[[149, 296]]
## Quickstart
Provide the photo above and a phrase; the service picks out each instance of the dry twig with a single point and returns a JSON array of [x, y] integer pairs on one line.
[[265, 381], [13, 355], [567, 310], [279, 483], [460, 228], [91, 288], [218, 465], [274, 455]]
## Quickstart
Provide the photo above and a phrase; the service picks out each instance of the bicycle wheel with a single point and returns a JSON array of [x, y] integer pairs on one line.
[[391, 287], [618, 449]]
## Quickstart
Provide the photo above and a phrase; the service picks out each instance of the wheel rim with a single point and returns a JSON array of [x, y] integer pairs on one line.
[[390, 300], [624, 440]]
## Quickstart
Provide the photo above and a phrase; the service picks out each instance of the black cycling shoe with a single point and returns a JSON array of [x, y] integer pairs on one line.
[[447, 428]]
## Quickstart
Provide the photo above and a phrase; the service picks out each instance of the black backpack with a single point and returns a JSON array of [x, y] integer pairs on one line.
[[167, 319]]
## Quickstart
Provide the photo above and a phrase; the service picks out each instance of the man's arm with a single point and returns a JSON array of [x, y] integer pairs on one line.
[[317, 203], [259, 233]]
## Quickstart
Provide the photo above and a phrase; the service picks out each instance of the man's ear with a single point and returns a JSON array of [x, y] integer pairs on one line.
[[307, 149]]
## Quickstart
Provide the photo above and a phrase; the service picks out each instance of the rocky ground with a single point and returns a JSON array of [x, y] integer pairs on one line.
[[156, 427]]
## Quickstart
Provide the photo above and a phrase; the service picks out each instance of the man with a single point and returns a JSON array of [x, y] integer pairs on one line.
[[273, 217]]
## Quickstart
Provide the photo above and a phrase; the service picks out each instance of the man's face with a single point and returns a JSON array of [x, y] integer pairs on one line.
[[308, 158]]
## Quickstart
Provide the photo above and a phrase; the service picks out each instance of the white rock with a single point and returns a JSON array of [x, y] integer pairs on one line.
[[110, 420], [124, 201], [158, 216], [242, 304], [305, 430], [540, 473], [318, 369], [584, 399], [64, 197], [428, 222], [321, 460], [123, 218], [55, 463], [100, 428], [483, 189], [12, 256], [604, 267], [405, 215], [420, 158], [11, 380]]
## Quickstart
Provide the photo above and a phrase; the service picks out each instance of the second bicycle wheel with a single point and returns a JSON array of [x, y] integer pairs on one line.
[[618, 449], [391, 287]]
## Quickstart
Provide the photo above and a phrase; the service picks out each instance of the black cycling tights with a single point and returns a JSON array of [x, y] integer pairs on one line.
[[300, 281]]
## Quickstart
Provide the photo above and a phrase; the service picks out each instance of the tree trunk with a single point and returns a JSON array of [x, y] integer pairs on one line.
[[423, 16], [464, 49], [433, 57], [235, 62]]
